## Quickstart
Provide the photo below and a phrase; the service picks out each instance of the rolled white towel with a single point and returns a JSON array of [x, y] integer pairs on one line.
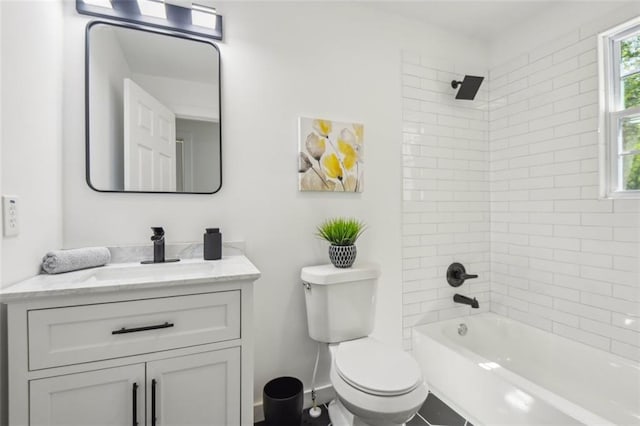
[[58, 261]]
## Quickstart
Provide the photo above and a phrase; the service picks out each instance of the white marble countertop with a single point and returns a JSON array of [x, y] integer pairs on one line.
[[132, 276]]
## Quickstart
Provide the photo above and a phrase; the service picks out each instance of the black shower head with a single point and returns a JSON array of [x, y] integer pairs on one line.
[[469, 87]]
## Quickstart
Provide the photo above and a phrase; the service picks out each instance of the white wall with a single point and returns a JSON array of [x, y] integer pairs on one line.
[[333, 60], [556, 20], [201, 154], [3, 311], [31, 131], [562, 260], [30, 142], [1, 149], [445, 190], [109, 68]]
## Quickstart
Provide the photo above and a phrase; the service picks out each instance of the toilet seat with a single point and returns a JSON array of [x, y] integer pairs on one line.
[[375, 368], [376, 409]]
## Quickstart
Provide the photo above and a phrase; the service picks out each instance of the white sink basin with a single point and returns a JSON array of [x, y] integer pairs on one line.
[[157, 271]]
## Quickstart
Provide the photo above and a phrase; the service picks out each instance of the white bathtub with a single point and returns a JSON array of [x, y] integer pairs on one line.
[[505, 372]]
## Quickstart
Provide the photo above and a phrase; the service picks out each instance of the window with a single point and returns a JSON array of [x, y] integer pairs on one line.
[[619, 50]]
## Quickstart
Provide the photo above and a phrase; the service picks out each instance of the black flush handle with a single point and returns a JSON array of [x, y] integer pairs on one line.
[[456, 275], [124, 330]]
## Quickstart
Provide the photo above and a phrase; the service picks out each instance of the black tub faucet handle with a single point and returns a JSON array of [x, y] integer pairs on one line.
[[456, 274], [468, 276]]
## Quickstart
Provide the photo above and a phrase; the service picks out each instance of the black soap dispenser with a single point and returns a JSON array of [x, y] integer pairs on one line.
[[212, 244]]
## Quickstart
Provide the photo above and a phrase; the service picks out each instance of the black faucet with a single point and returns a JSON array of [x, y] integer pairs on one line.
[[158, 244], [158, 247], [458, 298]]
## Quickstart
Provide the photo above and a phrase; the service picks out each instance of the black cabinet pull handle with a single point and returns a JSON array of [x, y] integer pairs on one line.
[[135, 404], [124, 330], [153, 402]]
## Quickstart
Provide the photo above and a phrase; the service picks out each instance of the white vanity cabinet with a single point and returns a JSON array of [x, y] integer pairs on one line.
[[197, 389], [175, 350], [105, 397]]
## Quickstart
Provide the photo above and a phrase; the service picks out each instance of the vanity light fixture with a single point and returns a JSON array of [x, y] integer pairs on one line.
[[203, 16], [99, 3], [152, 8], [197, 19]]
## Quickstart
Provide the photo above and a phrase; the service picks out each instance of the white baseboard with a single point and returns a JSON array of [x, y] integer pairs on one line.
[[324, 394]]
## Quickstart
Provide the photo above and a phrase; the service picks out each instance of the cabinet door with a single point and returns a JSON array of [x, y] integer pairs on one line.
[[200, 389], [109, 397]]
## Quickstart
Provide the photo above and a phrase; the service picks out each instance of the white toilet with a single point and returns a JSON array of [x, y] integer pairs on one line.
[[376, 384]]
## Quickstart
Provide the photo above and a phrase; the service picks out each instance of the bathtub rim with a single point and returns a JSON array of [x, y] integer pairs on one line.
[[434, 332]]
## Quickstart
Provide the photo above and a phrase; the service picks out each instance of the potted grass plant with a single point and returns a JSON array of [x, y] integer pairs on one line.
[[342, 234]]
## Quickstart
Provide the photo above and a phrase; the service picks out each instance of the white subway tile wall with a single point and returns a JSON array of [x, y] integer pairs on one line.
[[508, 185], [561, 259], [446, 210]]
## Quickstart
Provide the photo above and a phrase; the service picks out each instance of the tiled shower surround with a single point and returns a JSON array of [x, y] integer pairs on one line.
[[551, 253], [446, 209]]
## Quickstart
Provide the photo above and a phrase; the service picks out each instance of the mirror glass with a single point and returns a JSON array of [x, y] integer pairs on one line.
[[153, 111]]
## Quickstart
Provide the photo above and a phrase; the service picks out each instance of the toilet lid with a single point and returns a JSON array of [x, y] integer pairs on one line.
[[375, 368]]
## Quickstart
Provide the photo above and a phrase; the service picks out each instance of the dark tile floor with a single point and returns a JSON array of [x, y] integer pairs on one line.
[[307, 420], [434, 412]]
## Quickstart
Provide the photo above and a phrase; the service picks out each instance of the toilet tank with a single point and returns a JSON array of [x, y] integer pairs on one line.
[[340, 301]]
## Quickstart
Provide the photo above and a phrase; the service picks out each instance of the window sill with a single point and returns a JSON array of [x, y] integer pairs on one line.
[[621, 195]]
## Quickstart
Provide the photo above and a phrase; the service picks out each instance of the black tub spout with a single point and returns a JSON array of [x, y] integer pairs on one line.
[[458, 298]]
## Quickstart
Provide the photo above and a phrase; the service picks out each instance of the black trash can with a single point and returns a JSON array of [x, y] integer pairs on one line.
[[282, 401]]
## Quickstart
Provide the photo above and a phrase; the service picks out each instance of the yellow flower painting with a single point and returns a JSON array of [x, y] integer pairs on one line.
[[331, 155]]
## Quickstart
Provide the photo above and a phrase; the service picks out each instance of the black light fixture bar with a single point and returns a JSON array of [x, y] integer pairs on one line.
[[177, 18]]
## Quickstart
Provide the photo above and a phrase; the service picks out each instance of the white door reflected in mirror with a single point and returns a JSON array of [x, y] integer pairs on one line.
[[149, 142]]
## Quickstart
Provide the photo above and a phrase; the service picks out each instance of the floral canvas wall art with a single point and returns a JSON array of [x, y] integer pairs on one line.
[[331, 156]]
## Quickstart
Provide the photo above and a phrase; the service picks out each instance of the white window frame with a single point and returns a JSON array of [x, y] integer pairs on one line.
[[611, 112]]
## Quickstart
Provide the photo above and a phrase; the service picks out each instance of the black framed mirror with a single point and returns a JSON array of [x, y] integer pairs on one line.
[[152, 103]]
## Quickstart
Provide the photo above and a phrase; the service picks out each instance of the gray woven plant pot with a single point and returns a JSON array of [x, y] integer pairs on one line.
[[342, 256]]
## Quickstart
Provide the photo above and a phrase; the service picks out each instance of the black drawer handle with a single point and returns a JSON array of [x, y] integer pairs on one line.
[[135, 404], [124, 330], [153, 402]]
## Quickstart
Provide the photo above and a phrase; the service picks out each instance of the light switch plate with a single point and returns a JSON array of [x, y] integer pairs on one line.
[[10, 215]]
